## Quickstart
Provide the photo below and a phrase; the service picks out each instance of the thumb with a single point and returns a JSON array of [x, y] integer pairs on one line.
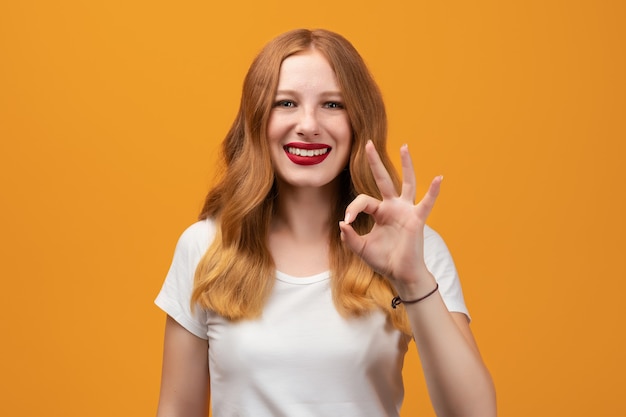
[[351, 238]]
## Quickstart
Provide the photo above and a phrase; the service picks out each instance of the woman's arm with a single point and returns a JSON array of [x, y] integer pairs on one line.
[[457, 379], [458, 382], [185, 375]]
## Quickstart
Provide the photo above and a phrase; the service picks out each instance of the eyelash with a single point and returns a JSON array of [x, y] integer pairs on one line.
[[335, 104], [283, 103], [327, 105]]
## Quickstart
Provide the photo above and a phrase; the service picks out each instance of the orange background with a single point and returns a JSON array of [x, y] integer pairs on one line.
[[111, 113]]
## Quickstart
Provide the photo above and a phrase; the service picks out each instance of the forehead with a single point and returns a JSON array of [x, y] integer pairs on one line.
[[309, 68]]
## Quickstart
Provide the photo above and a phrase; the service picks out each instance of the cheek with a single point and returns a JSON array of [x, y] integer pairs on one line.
[[278, 128], [271, 128], [346, 131], [345, 141]]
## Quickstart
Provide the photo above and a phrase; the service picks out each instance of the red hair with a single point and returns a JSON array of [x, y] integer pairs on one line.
[[235, 276]]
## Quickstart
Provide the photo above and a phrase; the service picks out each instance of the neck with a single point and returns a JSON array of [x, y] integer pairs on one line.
[[305, 212]]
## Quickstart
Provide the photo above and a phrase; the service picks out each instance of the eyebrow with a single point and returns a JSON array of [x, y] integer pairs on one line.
[[331, 93]]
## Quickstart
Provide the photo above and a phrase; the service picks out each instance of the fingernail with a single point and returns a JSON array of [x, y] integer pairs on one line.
[[347, 219]]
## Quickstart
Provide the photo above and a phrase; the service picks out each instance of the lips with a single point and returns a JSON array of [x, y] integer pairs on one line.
[[306, 153]]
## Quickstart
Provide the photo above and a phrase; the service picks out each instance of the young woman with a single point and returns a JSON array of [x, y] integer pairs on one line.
[[279, 300]]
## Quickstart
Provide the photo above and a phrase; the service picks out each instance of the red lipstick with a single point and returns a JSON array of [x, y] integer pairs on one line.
[[301, 153]]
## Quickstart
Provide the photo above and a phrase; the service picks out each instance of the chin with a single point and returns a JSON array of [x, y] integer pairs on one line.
[[307, 182]]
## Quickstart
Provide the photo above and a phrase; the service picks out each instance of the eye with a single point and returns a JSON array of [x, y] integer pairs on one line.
[[333, 105], [285, 103]]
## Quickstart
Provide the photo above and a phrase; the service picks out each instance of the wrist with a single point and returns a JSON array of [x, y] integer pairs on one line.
[[415, 287], [396, 301]]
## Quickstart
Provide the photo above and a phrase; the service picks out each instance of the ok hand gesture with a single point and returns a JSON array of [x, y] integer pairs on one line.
[[395, 245]]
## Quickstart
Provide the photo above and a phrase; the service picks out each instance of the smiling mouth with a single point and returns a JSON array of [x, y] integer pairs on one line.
[[307, 153]]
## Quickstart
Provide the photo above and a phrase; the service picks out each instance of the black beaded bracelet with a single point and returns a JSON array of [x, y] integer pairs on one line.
[[397, 300]]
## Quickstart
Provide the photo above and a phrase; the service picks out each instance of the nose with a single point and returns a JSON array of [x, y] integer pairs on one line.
[[308, 123]]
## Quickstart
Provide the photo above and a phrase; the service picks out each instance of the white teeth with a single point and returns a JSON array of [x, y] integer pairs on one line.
[[307, 152]]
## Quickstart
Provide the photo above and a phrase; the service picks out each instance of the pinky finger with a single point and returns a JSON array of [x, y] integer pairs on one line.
[[425, 206]]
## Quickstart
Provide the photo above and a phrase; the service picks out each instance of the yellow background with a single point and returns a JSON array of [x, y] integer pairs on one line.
[[111, 113]]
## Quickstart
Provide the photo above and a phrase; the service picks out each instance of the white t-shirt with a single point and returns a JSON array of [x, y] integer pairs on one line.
[[300, 358]]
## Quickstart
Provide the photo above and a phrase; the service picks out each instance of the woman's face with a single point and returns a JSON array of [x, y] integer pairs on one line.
[[308, 130]]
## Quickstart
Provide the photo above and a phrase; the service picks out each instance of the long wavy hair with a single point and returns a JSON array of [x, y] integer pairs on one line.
[[236, 274]]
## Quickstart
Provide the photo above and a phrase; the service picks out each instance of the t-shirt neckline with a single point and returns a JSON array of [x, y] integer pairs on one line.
[[311, 279]]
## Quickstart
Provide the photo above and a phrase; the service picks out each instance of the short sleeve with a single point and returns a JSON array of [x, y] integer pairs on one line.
[[439, 262], [175, 295]]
